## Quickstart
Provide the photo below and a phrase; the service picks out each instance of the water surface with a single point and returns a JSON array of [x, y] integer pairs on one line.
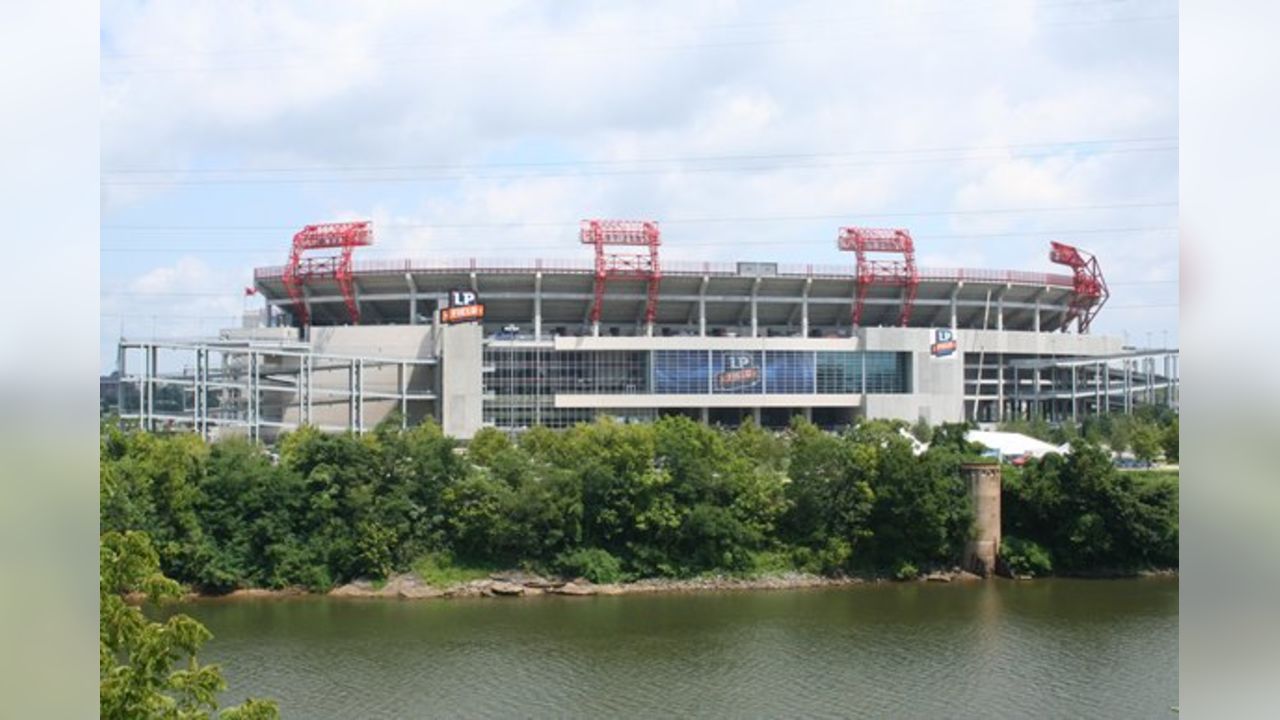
[[1049, 648]]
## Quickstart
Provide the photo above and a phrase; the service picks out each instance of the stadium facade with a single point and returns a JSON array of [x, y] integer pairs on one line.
[[514, 344]]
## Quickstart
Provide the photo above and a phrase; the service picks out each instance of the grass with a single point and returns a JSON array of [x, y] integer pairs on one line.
[[439, 570], [1154, 477]]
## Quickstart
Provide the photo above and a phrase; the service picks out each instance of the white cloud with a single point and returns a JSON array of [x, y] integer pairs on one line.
[[850, 95]]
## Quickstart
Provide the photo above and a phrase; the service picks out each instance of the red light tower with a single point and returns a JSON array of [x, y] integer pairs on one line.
[[343, 236], [898, 273], [1091, 291], [639, 262]]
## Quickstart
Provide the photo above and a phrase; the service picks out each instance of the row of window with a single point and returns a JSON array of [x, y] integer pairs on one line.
[[540, 372]]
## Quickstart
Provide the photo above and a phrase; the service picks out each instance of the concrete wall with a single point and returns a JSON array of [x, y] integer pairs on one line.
[[461, 388], [937, 383], [384, 341]]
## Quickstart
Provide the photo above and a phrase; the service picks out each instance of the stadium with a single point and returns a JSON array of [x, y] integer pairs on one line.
[[345, 344]]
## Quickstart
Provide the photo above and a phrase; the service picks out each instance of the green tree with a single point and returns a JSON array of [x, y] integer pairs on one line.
[[1146, 442], [1169, 441], [137, 657]]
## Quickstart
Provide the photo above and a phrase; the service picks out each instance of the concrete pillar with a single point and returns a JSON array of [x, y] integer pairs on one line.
[[460, 348], [1000, 388], [706, 415], [804, 308], [537, 306], [702, 307], [1000, 308], [755, 327], [982, 552], [1074, 399]]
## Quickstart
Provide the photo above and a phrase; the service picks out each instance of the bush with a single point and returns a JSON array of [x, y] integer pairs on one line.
[[439, 570], [906, 571], [594, 564], [1024, 557]]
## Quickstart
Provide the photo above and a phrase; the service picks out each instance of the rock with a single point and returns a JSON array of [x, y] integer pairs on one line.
[[409, 587], [937, 577], [357, 588], [966, 576], [475, 588], [573, 588], [506, 588]]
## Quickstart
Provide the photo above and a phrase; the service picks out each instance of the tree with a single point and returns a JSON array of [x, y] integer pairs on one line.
[[1146, 442], [136, 656], [1169, 440]]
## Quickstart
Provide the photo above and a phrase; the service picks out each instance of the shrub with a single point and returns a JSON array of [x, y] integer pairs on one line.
[[906, 571], [1024, 557], [439, 570], [594, 564]]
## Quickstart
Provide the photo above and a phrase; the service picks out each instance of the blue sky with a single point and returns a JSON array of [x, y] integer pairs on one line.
[[751, 130]]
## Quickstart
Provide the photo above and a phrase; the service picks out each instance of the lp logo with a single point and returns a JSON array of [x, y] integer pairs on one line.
[[461, 298]]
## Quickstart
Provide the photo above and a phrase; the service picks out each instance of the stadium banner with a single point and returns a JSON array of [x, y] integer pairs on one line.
[[943, 345], [464, 306], [737, 372]]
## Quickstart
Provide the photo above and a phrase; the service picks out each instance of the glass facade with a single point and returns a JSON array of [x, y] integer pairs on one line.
[[521, 382]]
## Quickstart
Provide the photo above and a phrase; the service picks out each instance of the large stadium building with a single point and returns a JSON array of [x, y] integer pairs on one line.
[[345, 344]]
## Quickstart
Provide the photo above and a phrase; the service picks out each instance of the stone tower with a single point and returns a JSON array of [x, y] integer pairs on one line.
[[983, 549]]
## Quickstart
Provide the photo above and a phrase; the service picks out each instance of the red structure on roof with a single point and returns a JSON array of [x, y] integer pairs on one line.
[[897, 273], [1091, 291], [639, 260], [344, 237]]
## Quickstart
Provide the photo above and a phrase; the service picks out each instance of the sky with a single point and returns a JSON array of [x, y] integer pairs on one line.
[[749, 130]]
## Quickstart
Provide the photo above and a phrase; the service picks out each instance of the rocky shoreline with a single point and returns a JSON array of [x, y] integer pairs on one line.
[[409, 586], [515, 584]]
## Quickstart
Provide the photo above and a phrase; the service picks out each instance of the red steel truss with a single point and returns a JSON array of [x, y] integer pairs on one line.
[[1091, 291], [639, 261], [899, 273], [344, 237]]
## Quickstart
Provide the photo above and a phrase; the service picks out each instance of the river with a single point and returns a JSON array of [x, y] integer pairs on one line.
[[1047, 648]]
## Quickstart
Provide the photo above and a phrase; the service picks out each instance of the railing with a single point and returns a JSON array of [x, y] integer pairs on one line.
[[586, 266]]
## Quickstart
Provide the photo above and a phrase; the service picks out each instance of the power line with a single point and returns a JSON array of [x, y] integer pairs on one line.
[[849, 215], [609, 172], [637, 161], [276, 247]]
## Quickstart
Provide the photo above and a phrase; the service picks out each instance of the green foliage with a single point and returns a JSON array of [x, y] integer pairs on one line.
[[594, 564], [1169, 441], [922, 431], [1146, 441], [671, 498], [1025, 558], [137, 657], [906, 571], [1089, 516], [438, 569]]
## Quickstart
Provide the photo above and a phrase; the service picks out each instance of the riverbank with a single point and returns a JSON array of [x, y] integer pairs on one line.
[[409, 586], [516, 584]]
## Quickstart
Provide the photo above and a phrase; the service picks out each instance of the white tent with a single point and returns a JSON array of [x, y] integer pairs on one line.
[[1011, 444]]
